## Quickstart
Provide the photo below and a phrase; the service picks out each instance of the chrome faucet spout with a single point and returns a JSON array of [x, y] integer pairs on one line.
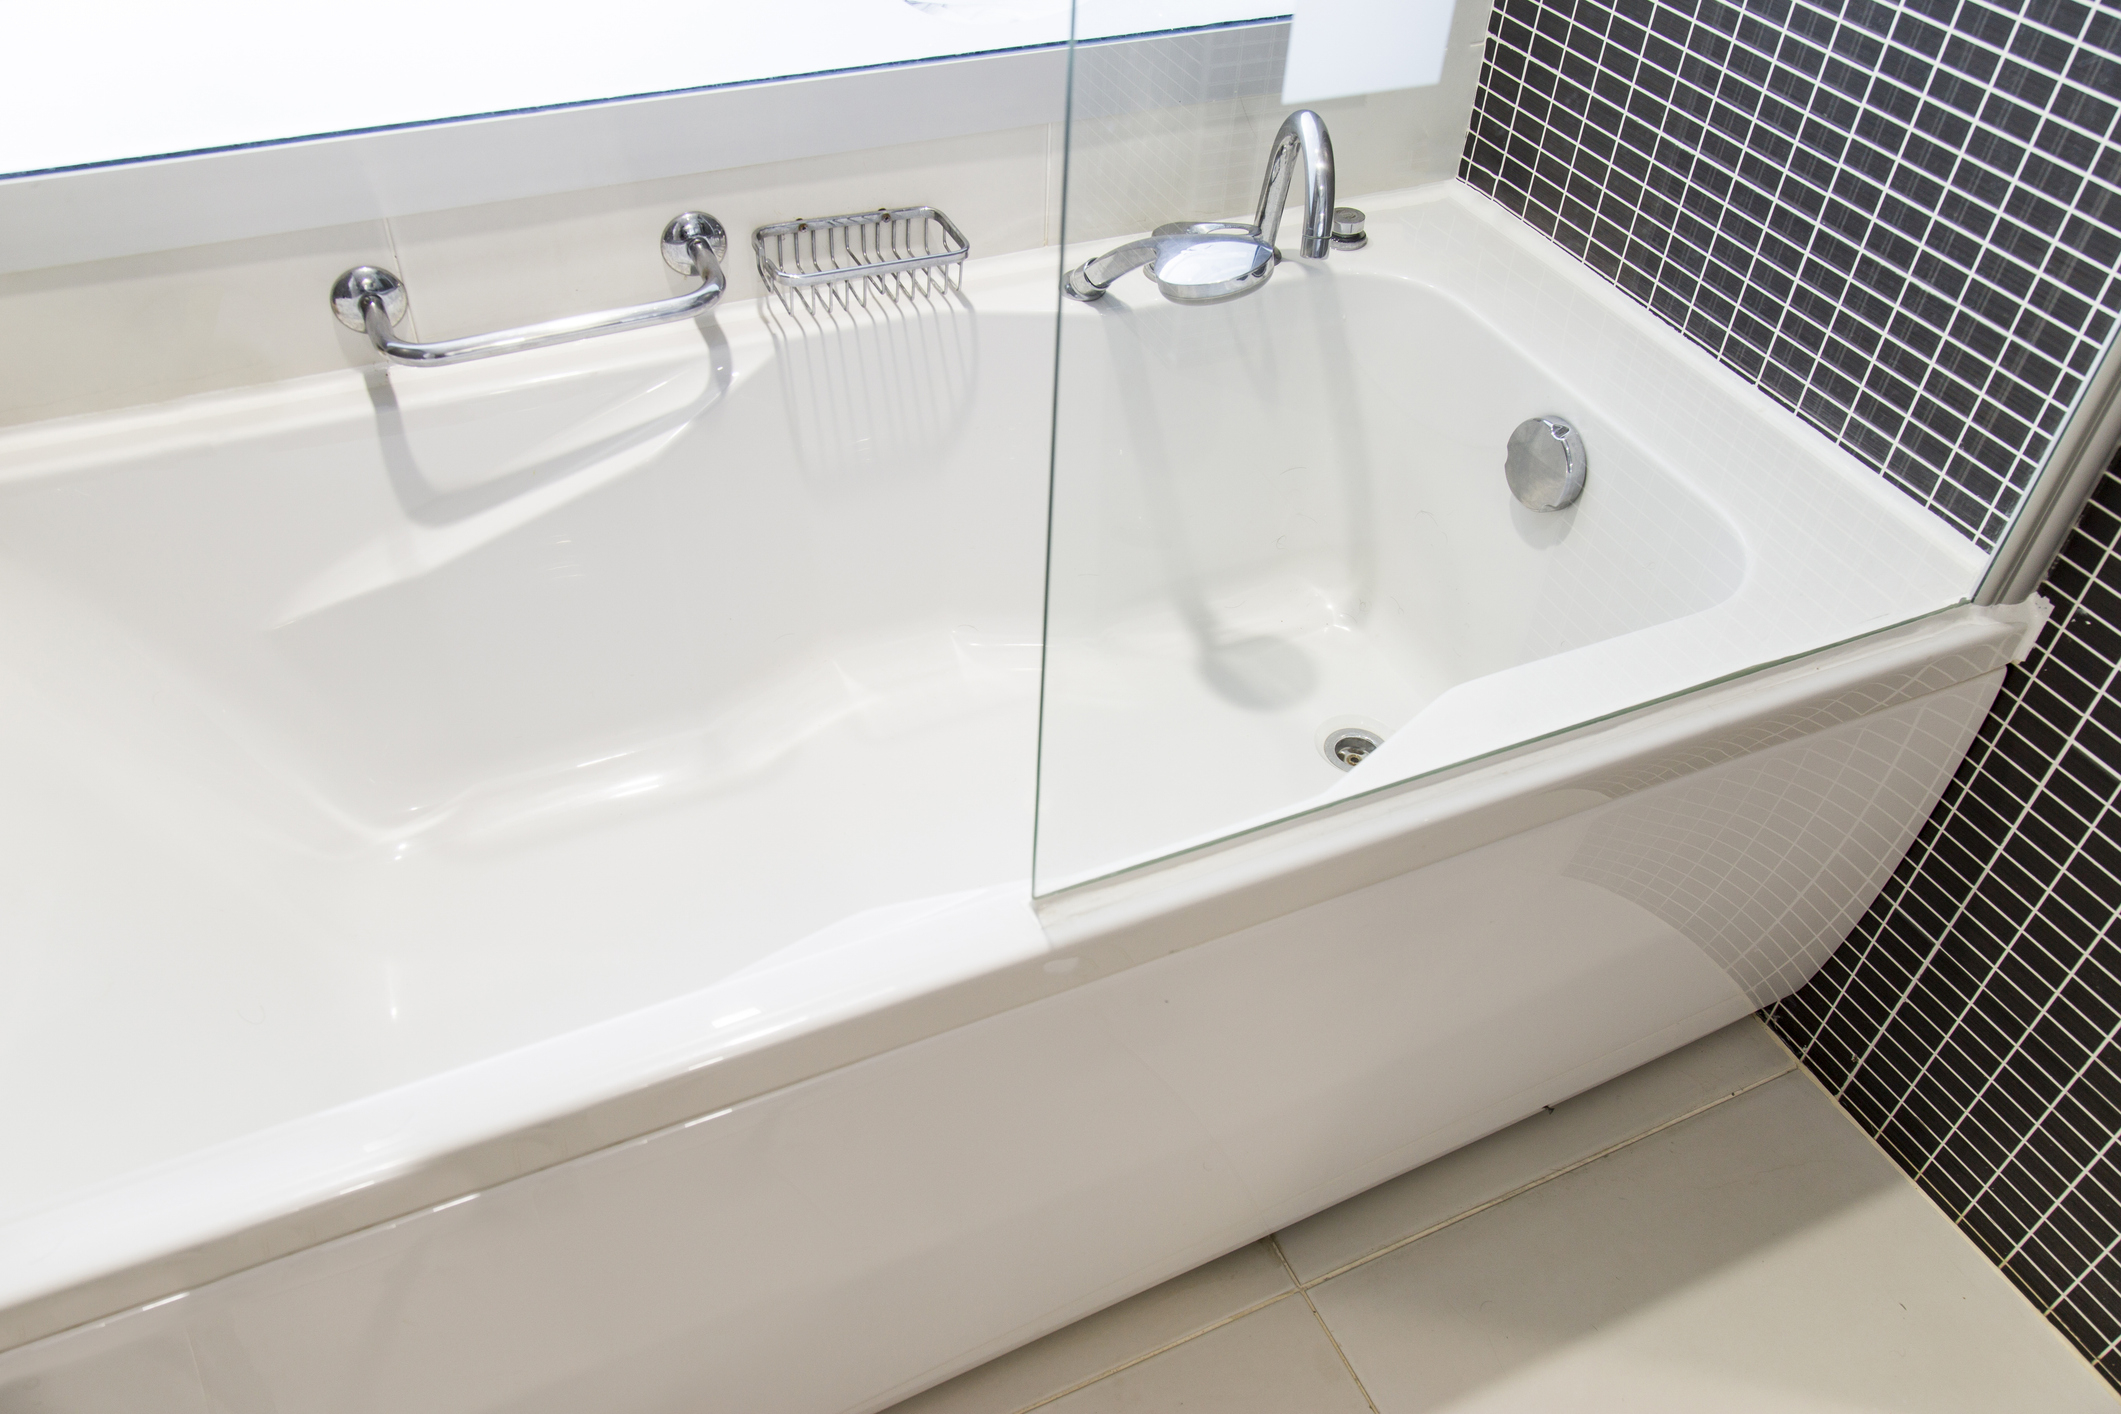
[[1302, 142]]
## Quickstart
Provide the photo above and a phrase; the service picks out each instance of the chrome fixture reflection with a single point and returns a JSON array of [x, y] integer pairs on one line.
[[373, 299], [1204, 262], [1545, 463]]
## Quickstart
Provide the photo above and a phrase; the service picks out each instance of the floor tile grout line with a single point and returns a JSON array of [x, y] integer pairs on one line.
[[1303, 1288], [1132, 1361], [1331, 1339], [1523, 1188]]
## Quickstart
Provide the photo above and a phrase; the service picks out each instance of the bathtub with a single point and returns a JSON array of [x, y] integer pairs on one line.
[[520, 875]]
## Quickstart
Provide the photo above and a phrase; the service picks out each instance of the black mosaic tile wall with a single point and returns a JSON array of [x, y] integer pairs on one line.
[[1901, 220], [1970, 1020]]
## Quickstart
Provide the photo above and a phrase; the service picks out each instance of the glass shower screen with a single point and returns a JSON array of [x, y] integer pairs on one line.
[[1311, 531]]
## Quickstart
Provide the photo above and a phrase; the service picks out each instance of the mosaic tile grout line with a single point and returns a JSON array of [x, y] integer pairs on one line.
[[1977, 883]]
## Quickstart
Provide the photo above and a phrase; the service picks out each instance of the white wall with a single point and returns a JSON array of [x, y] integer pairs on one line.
[[126, 79], [140, 283]]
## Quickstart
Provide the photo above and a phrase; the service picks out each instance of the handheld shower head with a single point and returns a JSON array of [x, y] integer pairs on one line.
[[1206, 262], [1188, 266]]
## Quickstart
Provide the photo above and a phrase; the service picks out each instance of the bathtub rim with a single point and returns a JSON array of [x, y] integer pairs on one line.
[[1178, 890], [1102, 895], [233, 1206]]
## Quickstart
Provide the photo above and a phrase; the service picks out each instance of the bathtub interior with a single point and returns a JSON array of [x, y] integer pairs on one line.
[[367, 727], [1285, 516]]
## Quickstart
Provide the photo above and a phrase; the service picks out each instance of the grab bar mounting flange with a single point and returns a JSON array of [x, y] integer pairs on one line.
[[367, 282]]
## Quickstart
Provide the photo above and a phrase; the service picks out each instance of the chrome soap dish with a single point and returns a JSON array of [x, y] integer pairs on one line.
[[896, 253]]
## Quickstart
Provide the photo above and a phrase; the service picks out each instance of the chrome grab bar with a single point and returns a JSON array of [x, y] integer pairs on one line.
[[372, 299]]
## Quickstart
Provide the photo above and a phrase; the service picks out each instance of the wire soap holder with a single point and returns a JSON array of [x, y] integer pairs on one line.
[[826, 260]]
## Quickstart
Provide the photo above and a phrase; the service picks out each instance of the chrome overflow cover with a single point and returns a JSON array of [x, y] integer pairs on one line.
[[1545, 463]]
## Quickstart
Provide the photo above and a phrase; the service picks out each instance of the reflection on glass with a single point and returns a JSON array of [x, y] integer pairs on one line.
[[1287, 566]]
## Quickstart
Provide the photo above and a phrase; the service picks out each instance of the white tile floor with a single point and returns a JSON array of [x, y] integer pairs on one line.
[[1708, 1233]]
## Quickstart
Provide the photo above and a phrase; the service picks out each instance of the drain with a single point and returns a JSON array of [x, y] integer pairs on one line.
[[1347, 747], [1346, 741]]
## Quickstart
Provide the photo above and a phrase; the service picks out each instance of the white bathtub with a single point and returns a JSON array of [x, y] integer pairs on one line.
[[517, 889]]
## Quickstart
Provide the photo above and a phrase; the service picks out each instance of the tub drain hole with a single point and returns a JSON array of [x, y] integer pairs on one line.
[[1348, 748]]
